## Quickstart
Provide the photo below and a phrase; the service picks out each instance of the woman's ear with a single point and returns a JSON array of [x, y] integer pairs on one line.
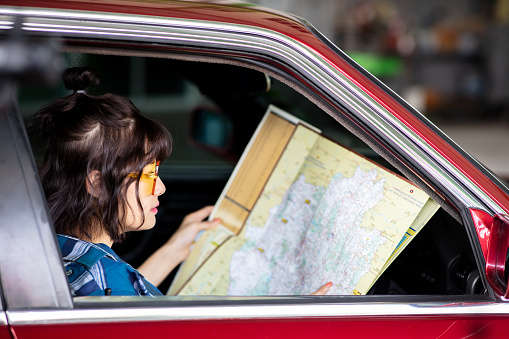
[[94, 183]]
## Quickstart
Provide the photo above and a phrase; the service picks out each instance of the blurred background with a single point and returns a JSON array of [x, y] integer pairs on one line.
[[448, 59]]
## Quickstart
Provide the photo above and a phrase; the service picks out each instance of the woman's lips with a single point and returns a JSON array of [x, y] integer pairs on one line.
[[154, 210]]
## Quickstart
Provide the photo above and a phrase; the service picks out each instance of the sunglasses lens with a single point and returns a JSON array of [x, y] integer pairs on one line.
[[148, 178], [156, 172]]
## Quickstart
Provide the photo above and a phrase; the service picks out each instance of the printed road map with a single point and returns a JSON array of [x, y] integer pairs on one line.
[[322, 214]]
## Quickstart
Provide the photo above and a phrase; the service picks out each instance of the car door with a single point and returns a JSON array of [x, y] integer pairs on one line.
[[34, 286]]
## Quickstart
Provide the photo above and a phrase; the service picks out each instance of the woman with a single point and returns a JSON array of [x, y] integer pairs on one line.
[[100, 177]]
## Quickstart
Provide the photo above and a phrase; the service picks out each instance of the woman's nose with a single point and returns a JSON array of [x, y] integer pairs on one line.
[[160, 188]]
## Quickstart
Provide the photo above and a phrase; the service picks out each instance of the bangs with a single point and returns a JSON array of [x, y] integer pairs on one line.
[[158, 141]]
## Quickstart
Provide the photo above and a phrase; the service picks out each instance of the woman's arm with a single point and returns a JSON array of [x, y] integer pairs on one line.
[[157, 267]]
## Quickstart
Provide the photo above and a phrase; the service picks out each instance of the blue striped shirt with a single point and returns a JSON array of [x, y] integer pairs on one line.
[[92, 268]]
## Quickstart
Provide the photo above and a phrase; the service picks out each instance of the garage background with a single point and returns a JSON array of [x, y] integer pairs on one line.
[[449, 59]]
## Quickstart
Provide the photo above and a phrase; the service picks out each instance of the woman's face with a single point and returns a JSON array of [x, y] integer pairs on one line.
[[149, 202]]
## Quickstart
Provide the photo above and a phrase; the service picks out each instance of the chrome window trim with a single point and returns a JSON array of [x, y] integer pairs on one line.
[[262, 41], [336, 311]]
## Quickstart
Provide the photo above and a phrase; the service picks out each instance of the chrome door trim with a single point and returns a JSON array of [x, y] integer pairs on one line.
[[336, 311], [260, 41]]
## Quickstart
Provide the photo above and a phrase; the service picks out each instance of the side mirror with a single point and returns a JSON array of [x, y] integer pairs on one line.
[[497, 253], [211, 130]]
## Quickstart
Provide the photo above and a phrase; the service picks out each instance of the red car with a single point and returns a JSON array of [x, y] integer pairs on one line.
[[192, 62]]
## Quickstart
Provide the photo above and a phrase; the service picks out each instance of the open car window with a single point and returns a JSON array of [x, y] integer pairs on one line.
[[176, 92]]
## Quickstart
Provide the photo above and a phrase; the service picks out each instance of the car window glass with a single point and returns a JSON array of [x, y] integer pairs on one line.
[[173, 91]]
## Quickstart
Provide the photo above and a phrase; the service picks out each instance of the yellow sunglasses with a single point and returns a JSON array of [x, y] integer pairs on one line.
[[153, 174]]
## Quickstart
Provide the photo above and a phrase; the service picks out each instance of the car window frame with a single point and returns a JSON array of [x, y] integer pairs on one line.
[[27, 222]]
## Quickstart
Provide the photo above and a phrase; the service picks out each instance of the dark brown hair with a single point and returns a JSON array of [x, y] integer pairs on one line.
[[83, 133]]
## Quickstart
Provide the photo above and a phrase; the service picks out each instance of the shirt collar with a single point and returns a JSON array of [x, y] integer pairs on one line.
[[84, 252]]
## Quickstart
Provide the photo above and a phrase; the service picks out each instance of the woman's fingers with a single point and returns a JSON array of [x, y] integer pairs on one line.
[[323, 290], [198, 215], [207, 225]]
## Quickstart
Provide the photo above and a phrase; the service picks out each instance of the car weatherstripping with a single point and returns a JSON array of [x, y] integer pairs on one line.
[[450, 282]]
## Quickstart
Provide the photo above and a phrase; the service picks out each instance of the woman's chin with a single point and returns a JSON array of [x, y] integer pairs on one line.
[[149, 224], [150, 221]]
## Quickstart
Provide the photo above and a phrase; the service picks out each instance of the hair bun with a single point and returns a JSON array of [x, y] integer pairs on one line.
[[79, 78]]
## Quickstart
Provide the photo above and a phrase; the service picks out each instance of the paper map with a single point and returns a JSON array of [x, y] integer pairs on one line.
[[299, 211]]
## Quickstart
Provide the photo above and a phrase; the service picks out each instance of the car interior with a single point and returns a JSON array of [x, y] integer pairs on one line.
[[188, 98]]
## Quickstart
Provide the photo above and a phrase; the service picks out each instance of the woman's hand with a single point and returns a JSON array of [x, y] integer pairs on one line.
[[157, 267], [323, 290], [183, 238]]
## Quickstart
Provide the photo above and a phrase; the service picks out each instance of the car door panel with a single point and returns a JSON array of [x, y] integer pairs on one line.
[[443, 324], [4, 328]]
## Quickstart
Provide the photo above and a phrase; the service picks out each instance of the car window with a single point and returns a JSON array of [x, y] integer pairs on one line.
[[174, 92]]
